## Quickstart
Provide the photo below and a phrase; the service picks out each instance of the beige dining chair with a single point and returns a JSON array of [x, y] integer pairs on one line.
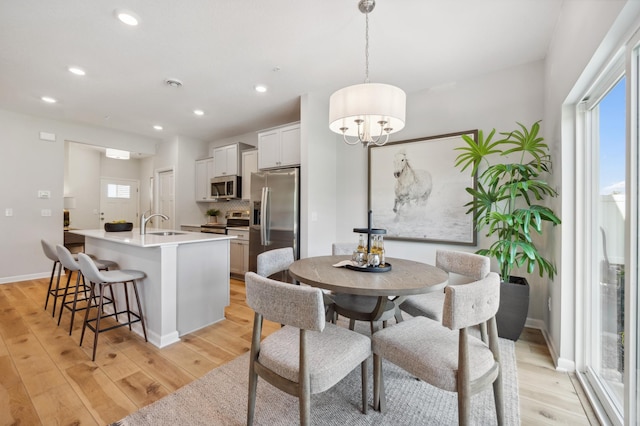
[[461, 266], [358, 307], [276, 261], [427, 349], [308, 355], [275, 264]]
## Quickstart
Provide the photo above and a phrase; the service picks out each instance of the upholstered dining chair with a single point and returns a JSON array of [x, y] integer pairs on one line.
[[358, 307], [470, 266], [277, 261], [427, 349], [308, 355]]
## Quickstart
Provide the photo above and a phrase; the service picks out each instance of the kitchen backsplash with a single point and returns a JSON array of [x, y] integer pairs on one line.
[[225, 206]]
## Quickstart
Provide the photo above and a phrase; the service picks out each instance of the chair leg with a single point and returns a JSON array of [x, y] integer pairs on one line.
[[144, 327], [365, 387], [352, 324], [126, 299], [379, 402], [53, 272], [497, 396], [75, 300], [86, 314], [55, 294], [253, 377], [64, 297], [97, 331], [113, 298]]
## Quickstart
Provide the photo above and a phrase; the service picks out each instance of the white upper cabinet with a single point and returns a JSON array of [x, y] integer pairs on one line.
[[227, 159], [279, 147], [249, 165], [204, 173]]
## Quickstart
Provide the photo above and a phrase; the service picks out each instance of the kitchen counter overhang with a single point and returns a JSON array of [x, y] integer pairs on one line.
[[134, 238], [187, 277]]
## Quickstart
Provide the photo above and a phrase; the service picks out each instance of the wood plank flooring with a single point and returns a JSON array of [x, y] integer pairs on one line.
[[47, 378]]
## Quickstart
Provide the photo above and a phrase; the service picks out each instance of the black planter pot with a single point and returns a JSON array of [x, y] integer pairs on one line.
[[514, 307]]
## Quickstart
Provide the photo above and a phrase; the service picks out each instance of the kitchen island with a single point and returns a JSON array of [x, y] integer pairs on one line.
[[187, 282]]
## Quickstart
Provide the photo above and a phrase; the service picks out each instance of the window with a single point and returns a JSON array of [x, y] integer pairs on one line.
[[118, 191]]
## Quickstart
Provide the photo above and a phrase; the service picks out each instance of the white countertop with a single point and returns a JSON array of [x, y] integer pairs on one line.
[[134, 238]]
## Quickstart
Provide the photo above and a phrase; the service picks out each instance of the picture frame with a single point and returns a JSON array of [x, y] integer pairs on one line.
[[417, 194]]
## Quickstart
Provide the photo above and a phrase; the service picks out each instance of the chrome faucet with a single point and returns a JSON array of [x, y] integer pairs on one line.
[[144, 220]]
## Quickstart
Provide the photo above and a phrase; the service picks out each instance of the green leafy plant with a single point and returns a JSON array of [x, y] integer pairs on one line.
[[505, 201], [213, 212]]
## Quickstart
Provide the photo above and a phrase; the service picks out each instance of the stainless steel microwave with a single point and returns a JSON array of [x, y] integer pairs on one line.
[[226, 187]]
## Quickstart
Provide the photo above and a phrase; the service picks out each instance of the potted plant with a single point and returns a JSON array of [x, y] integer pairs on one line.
[[505, 204], [213, 215]]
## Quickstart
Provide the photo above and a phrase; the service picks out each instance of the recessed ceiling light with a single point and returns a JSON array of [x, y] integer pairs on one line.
[[260, 88], [157, 127], [127, 17], [77, 71], [49, 99], [198, 112]]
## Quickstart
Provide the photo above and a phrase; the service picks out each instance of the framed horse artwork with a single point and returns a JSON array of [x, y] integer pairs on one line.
[[416, 193]]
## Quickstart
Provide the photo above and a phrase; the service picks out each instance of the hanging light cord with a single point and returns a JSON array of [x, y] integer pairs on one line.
[[366, 47]]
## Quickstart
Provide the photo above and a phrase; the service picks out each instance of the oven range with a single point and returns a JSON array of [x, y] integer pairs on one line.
[[235, 219]]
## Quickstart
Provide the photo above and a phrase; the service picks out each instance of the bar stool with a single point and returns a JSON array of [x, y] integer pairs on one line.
[[50, 252], [68, 262], [104, 279]]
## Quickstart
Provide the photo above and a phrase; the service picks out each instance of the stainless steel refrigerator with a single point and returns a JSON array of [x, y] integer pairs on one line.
[[275, 212]]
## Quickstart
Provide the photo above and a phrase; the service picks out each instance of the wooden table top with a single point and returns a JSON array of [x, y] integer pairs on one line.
[[405, 278]]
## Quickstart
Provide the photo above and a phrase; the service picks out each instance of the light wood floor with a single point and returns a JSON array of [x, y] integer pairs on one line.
[[46, 378]]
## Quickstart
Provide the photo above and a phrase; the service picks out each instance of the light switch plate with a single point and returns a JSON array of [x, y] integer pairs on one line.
[[8, 212], [44, 194]]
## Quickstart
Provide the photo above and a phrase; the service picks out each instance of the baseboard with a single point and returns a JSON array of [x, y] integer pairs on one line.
[[18, 278], [561, 364]]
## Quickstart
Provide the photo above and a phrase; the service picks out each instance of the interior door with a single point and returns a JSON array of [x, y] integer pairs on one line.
[[118, 200]]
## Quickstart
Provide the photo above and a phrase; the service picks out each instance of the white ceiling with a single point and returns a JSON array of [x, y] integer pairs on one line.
[[220, 49]]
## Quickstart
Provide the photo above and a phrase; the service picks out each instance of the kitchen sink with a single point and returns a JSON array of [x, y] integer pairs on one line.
[[165, 233]]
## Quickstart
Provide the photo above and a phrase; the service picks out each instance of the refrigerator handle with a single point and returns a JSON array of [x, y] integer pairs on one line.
[[264, 217]]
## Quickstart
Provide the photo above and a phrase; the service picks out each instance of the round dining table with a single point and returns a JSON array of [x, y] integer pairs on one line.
[[406, 277]]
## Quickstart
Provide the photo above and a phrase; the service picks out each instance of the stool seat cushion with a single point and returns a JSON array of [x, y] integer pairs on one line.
[[103, 264], [118, 276]]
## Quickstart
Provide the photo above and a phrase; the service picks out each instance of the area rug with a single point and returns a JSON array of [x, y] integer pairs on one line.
[[220, 398]]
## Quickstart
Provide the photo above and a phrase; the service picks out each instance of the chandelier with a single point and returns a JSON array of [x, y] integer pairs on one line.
[[367, 113]]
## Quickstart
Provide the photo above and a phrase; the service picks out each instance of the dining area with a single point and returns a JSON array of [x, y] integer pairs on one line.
[[338, 321]]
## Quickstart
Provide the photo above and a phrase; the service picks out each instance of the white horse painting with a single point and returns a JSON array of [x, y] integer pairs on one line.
[[411, 185]]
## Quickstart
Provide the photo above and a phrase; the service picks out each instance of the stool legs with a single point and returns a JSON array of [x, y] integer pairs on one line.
[[58, 265], [132, 317]]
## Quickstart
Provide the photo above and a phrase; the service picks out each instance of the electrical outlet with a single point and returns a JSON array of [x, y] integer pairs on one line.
[[45, 212], [8, 212]]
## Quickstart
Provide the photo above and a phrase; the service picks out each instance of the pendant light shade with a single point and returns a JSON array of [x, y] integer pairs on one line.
[[368, 104], [367, 113]]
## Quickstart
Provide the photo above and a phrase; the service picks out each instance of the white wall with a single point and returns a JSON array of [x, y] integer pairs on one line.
[[28, 165], [318, 170], [188, 211], [82, 182]]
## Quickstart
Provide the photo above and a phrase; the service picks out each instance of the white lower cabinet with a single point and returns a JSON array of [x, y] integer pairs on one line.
[[239, 251]]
